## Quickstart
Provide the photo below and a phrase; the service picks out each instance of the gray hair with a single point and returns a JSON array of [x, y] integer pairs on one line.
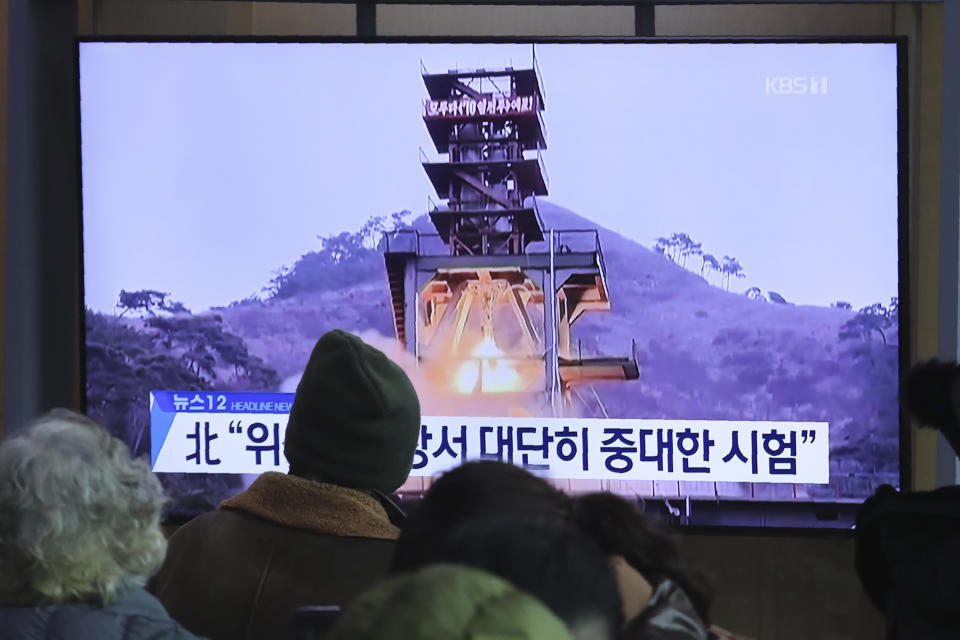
[[81, 520]]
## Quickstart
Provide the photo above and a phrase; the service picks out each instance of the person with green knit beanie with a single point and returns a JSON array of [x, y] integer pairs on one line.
[[448, 602], [322, 533], [355, 417]]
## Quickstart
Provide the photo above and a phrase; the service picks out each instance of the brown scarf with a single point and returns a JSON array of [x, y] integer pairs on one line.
[[314, 506]]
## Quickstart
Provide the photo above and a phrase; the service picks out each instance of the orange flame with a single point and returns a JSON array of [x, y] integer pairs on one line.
[[492, 373]]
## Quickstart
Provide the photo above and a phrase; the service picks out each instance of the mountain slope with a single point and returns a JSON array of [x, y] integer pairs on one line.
[[704, 353], [709, 354]]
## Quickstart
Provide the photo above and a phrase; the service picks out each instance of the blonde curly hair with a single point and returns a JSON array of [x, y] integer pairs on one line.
[[81, 520]]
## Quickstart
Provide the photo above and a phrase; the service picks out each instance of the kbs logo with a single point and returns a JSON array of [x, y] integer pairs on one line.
[[799, 85]]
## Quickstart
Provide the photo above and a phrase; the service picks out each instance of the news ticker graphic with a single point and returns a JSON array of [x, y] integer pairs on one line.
[[239, 432]]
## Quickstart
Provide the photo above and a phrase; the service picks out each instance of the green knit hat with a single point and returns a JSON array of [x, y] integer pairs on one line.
[[355, 418], [447, 602]]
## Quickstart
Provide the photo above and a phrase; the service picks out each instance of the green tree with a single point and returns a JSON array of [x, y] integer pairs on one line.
[[204, 345], [872, 320], [695, 249], [125, 364], [661, 246], [344, 258], [399, 220], [686, 247], [678, 247], [279, 282], [731, 267], [148, 302], [668, 246], [893, 312], [709, 263]]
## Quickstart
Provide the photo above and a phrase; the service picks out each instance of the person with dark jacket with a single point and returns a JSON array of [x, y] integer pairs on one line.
[[316, 536], [79, 536], [908, 559], [908, 543], [663, 597], [677, 605], [550, 560]]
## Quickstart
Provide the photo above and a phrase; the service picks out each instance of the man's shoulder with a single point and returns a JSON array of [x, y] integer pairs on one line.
[[227, 525], [145, 617], [285, 510], [314, 507], [136, 614], [202, 525]]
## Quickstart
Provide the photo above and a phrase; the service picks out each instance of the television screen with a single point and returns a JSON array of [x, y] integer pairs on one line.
[[667, 270]]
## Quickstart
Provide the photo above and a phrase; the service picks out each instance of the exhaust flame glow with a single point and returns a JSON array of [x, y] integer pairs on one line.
[[491, 373]]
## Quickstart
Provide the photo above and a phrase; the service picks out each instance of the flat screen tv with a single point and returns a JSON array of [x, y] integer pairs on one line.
[[664, 269]]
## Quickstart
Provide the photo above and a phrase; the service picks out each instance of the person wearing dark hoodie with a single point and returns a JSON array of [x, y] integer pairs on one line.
[[79, 536], [542, 558], [663, 597], [907, 551], [668, 598], [318, 535], [550, 560]]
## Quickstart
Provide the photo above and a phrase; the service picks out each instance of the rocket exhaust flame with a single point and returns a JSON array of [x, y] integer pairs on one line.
[[487, 372]]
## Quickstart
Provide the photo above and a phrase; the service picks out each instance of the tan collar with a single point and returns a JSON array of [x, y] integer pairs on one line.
[[314, 506], [635, 591]]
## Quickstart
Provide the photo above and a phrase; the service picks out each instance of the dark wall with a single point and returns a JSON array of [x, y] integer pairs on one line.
[[42, 297], [776, 587]]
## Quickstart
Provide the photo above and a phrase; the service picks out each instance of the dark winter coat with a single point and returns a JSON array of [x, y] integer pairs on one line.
[[136, 615], [908, 560], [286, 542], [669, 615]]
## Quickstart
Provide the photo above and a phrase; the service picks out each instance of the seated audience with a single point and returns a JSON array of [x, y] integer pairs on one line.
[[930, 393], [908, 543], [79, 536], [547, 559], [663, 597], [322, 533], [448, 602]]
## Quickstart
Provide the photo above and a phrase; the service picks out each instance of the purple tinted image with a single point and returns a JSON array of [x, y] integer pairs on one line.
[[741, 203]]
